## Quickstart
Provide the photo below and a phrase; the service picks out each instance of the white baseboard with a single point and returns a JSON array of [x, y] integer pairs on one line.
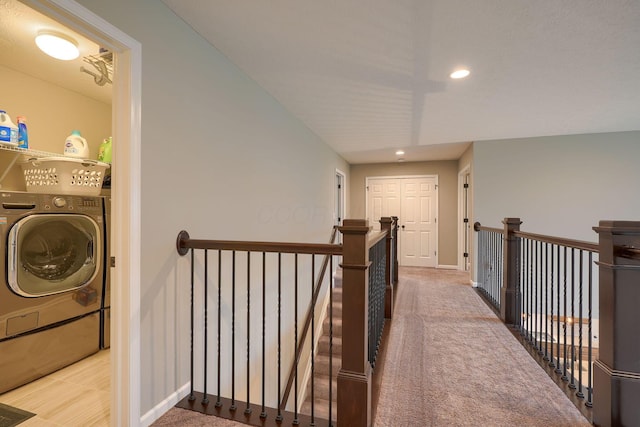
[[473, 284], [447, 267], [161, 408]]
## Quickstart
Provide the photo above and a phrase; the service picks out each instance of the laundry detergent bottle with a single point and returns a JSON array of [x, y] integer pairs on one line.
[[23, 136], [76, 146], [104, 152], [8, 131]]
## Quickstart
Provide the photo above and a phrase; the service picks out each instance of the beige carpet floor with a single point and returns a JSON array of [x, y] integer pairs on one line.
[[449, 362]]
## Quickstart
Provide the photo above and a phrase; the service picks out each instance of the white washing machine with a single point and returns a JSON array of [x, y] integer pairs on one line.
[[51, 293]]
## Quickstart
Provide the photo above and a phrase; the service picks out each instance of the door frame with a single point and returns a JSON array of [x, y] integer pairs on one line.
[[461, 225], [339, 200], [340, 211], [126, 189], [437, 204]]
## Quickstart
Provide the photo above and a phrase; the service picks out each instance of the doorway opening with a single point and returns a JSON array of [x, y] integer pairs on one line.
[[464, 220], [126, 189], [339, 202]]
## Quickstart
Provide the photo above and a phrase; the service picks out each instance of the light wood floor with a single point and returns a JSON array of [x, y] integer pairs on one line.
[[77, 395]]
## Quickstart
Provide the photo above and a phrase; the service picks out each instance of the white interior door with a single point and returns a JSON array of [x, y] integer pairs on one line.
[[384, 200], [414, 201], [418, 223]]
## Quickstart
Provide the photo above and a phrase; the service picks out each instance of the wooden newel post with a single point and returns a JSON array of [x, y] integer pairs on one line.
[[385, 225], [509, 292], [354, 378], [394, 279], [616, 373]]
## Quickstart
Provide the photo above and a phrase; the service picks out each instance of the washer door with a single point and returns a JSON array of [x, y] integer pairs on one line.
[[52, 253]]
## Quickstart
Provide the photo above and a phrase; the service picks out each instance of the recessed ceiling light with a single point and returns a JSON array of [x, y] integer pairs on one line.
[[399, 153], [460, 74], [57, 45]]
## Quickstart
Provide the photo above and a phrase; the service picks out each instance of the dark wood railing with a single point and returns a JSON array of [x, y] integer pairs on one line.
[[236, 264], [548, 291]]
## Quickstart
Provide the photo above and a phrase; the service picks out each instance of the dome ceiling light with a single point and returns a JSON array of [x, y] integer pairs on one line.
[[57, 45], [460, 74]]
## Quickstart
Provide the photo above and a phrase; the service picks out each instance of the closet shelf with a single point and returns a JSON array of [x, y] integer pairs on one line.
[[27, 151], [17, 152]]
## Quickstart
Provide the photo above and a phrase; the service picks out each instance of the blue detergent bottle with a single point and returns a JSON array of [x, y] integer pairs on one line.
[[23, 136]]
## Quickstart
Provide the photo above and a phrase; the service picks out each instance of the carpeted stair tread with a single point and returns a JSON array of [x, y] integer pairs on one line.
[[336, 327], [321, 388], [322, 365], [320, 410], [323, 345]]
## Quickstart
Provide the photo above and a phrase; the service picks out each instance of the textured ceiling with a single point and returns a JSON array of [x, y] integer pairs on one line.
[[19, 25], [371, 76]]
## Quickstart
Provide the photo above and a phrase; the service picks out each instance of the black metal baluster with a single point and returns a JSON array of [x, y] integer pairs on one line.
[[218, 400], [263, 412], [564, 312], [572, 384], [540, 309], [546, 302], [205, 398], [589, 402], [295, 341], [330, 340], [279, 416], [558, 370], [313, 340], [536, 298], [551, 360], [531, 294], [580, 394], [192, 396], [523, 281], [247, 410], [534, 294], [233, 406]]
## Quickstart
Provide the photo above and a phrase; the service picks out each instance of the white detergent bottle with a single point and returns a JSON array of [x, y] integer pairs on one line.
[[76, 146], [8, 130]]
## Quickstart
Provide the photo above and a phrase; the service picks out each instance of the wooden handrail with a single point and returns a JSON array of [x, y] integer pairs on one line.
[[184, 243], [375, 238], [570, 243], [307, 323], [478, 227]]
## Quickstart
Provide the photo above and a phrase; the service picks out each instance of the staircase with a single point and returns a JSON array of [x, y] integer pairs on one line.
[[321, 377]]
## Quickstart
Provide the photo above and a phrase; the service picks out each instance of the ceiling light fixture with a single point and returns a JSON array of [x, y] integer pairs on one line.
[[57, 45], [460, 74], [399, 153]]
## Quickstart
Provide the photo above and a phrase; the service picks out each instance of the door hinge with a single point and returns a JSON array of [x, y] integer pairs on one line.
[[466, 255], [112, 261], [339, 186], [435, 220], [466, 220], [466, 185], [436, 186], [367, 188]]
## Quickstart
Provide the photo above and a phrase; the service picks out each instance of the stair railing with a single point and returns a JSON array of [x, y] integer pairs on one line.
[[543, 286], [243, 262], [240, 261], [309, 323]]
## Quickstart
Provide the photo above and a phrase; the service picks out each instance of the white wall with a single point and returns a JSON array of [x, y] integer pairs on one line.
[[221, 159], [562, 185]]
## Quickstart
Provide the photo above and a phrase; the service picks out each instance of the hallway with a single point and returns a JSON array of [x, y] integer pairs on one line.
[[451, 362]]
